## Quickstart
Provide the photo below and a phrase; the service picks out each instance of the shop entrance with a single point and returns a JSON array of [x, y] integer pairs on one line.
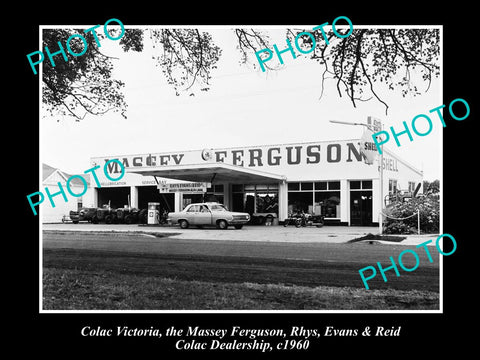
[[360, 208]]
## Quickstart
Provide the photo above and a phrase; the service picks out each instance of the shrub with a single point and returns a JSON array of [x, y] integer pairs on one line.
[[429, 207]]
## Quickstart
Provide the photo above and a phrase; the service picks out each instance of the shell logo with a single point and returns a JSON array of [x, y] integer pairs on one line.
[[207, 154]]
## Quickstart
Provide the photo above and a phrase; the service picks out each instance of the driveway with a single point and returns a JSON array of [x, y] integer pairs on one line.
[[329, 234]]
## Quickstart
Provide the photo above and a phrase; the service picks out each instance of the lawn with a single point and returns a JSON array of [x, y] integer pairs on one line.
[[79, 280]]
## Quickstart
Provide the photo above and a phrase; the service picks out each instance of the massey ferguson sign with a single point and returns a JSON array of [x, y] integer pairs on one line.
[[302, 160], [254, 157]]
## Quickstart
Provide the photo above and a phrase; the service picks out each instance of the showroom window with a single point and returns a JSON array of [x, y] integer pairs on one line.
[[411, 186], [360, 184], [317, 198], [392, 186], [255, 198]]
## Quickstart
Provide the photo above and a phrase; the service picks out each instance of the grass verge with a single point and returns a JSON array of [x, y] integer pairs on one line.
[[70, 289], [73, 289]]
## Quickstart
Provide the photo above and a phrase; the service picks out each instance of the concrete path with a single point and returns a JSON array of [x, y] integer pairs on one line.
[[329, 234]]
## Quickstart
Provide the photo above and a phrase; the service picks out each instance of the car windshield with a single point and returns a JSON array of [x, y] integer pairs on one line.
[[218, 207]]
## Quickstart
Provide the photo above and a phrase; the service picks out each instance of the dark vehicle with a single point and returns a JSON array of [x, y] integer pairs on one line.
[[106, 215], [262, 218], [84, 214], [292, 219], [142, 216], [127, 215], [303, 219], [163, 217]]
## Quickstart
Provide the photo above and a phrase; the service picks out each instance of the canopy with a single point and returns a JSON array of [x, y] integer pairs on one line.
[[209, 172]]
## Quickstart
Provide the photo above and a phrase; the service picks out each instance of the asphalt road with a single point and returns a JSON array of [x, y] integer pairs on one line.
[[310, 264]]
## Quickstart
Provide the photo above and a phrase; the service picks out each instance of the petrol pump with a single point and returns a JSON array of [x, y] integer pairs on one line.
[[153, 213]]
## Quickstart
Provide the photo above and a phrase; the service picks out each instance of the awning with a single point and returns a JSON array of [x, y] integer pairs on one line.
[[208, 172]]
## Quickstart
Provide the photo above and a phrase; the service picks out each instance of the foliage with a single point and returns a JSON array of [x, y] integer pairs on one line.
[[360, 64], [367, 57], [431, 187], [395, 57], [84, 84], [429, 207], [187, 56]]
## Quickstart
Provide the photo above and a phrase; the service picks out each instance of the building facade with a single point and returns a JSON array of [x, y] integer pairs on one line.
[[51, 177], [324, 177]]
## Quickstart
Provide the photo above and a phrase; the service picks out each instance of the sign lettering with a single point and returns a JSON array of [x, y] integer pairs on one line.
[[257, 157]]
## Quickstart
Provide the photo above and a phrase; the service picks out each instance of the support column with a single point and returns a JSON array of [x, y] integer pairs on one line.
[[178, 201], [226, 195], [376, 201], [95, 197], [134, 196], [344, 201], [282, 201]]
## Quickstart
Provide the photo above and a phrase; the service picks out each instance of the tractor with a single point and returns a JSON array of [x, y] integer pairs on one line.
[[105, 214], [127, 215], [83, 214]]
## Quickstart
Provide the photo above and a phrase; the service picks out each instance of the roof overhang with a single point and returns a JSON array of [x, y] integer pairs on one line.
[[218, 171]]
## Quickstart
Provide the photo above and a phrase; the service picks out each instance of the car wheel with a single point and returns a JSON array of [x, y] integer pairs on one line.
[[222, 224], [238, 227], [298, 223], [183, 224], [128, 219], [95, 220], [75, 222], [108, 219]]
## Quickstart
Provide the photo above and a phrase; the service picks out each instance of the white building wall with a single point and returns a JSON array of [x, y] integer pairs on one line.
[[282, 200], [54, 213], [314, 161], [344, 201], [376, 203]]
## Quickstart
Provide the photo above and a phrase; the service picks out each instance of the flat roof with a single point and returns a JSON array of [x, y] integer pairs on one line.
[[209, 172]]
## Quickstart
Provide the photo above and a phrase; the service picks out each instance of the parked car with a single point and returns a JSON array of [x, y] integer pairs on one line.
[[208, 214]]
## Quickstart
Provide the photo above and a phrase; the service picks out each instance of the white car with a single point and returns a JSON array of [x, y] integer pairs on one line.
[[208, 214]]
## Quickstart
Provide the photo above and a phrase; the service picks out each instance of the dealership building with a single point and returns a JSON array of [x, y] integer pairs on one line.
[[325, 177]]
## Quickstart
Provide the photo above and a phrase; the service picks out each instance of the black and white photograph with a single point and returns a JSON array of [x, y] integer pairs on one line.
[[199, 174], [254, 188]]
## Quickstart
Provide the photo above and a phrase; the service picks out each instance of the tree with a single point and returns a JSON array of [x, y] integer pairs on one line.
[[187, 56], [84, 84], [431, 187], [359, 63]]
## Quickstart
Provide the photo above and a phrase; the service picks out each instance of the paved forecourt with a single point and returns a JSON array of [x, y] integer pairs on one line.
[[328, 234]]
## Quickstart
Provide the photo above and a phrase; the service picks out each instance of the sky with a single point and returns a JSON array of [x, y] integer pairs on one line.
[[243, 107]]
